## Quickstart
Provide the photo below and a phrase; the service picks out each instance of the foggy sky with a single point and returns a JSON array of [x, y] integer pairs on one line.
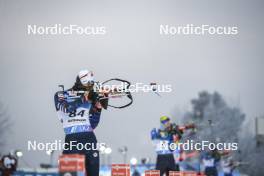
[[32, 66]]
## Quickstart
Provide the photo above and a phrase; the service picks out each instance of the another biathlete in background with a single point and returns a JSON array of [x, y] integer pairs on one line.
[[229, 165], [167, 134], [210, 159], [80, 116]]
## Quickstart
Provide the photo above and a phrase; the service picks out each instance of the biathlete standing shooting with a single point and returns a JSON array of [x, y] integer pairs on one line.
[[167, 134], [80, 115]]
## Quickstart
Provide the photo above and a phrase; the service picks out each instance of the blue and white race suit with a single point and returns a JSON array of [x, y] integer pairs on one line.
[[165, 155], [76, 115], [161, 141], [79, 117]]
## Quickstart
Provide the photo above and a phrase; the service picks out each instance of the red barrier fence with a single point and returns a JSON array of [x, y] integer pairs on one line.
[[72, 163], [185, 173], [152, 173], [120, 170]]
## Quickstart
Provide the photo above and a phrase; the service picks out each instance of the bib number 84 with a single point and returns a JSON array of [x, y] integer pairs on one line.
[[74, 113]]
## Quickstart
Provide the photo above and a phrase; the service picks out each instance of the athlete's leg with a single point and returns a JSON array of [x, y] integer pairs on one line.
[[92, 156], [92, 163], [171, 164], [161, 164]]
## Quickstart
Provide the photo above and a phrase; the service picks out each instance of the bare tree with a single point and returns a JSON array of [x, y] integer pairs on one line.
[[218, 121], [214, 116]]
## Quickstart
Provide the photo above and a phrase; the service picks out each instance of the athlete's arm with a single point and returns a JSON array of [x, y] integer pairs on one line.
[[95, 114], [60, 102], [155, 134], [186, 127]]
